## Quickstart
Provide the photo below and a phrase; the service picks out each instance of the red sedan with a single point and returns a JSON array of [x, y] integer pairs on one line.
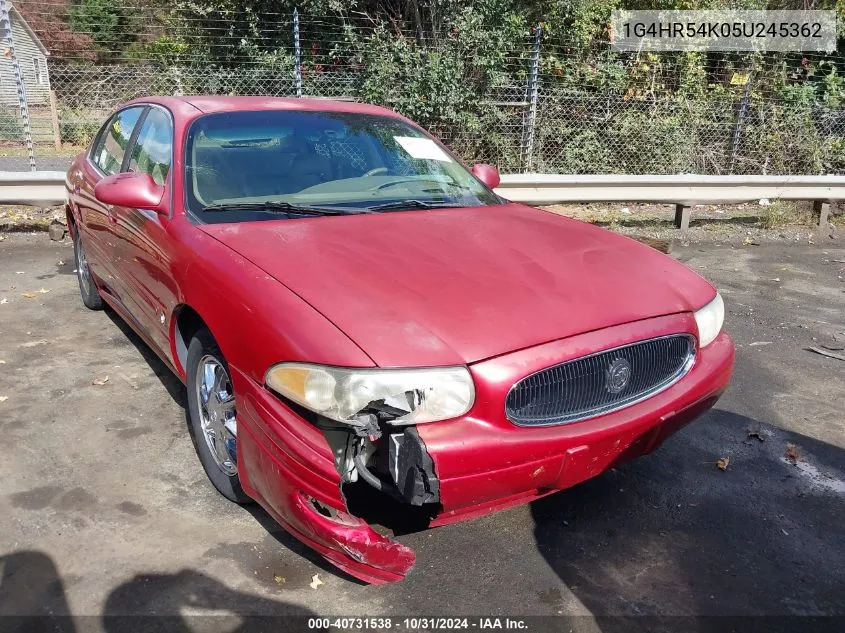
[[366, 330]]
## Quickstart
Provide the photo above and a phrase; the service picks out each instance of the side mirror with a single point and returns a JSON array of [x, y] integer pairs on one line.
[[487, 174], [131, 189]]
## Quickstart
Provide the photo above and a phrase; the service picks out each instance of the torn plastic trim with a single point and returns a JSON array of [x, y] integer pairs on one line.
[[412, 468]]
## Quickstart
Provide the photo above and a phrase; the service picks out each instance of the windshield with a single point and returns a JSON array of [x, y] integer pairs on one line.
[[345, 162]]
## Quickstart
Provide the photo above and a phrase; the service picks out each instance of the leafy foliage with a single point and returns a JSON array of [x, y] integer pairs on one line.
[[462, 70], [107, 23]]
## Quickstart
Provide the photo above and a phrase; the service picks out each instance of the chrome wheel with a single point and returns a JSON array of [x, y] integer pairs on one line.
[[82, 270], [217, 413]]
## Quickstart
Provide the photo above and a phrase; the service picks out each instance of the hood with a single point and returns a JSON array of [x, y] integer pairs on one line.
[[455, 286]]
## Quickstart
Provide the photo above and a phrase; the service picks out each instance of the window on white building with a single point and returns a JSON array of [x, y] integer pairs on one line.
[[40, 66]]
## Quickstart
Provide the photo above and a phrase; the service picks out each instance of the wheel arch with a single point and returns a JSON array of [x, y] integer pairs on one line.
[[71, 221], [186, 323]]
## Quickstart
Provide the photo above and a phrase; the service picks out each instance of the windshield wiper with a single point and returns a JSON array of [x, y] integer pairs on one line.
[[277, 207], [401, 205]]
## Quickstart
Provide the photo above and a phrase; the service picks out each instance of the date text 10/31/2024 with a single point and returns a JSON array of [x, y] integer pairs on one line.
[[417, 623]]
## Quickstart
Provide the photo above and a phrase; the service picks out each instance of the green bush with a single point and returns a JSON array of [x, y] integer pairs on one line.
[[77, 126]]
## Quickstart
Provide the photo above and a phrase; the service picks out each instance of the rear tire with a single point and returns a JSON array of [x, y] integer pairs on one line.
[[87, 286], [211, 415]]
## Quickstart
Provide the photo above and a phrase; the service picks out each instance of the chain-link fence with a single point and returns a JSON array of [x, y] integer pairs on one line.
[[512, 97]]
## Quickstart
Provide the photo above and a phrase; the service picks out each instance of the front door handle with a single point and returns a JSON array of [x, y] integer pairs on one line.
[[111, 214]]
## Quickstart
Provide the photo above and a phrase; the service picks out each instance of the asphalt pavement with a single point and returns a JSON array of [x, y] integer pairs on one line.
[[105, 510]]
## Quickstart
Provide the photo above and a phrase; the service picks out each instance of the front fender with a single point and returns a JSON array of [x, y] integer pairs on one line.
[[255, 320]]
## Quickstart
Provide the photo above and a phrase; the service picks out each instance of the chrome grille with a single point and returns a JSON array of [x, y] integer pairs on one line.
[[600, 383]]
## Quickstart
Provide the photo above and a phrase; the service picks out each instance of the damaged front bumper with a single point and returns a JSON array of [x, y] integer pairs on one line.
[[285, 464], [463, 467]]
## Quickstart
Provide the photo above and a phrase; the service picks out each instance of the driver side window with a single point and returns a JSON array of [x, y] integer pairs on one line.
[[111, 145], [151, 152]]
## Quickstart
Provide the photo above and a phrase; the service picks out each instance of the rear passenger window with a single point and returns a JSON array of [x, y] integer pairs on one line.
[[151, 152], [111, 146]]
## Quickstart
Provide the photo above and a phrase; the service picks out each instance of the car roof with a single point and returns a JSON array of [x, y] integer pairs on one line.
[[188, 105]]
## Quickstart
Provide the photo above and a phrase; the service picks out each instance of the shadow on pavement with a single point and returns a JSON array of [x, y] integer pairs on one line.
[[764, 537], [32, 599], [173, 385], [182, 601], [32, 596]]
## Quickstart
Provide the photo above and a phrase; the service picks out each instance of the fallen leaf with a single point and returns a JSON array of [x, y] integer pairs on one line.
[[43, 291], [722, 462], [757, 343], [315, 581], [280, 580], [20, 272], [29, 295], [749, 242], [100, 380], [793, 453], [4, 300], [2, 362], [4, 398]]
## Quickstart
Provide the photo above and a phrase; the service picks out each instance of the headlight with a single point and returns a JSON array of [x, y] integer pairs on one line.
[[709, 320], [398, 396]]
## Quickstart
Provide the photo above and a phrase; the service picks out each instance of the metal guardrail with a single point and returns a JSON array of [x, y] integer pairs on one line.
[[47, 188], [32, 188], [686, 189], [683, 190]]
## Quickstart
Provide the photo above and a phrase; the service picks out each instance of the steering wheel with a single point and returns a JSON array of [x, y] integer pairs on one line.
[[377, 170]]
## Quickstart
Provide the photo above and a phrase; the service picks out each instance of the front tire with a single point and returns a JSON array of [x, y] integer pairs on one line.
[[87, 286], [211, 415]]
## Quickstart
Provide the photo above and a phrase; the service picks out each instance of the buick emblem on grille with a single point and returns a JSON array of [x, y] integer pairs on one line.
[[618, 375]]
